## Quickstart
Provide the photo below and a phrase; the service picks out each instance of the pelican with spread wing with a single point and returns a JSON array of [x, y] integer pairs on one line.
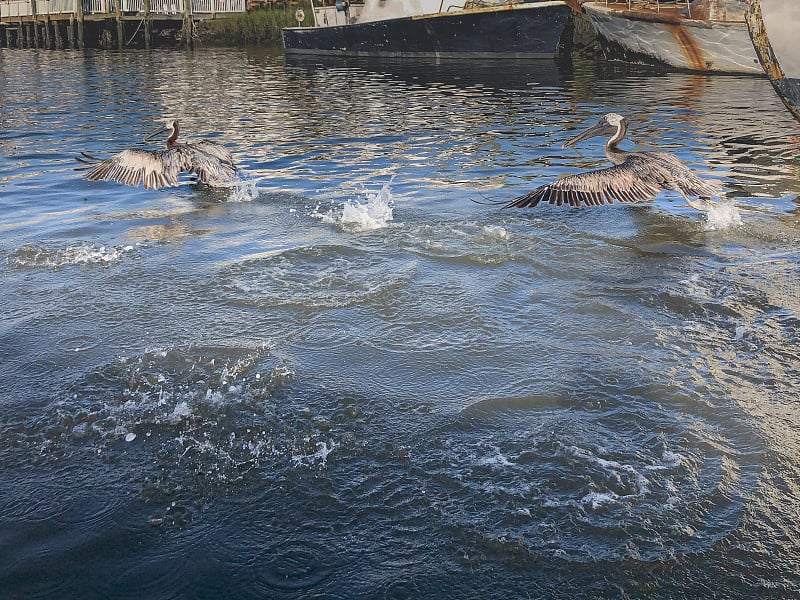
[[635, 176], [210, 162]]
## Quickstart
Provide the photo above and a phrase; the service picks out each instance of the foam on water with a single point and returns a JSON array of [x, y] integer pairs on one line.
[[722, 215], [82, 253], [320, 453], [374, 213]]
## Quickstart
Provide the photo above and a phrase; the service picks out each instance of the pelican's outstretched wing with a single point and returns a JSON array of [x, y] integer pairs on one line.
[[153, 169], [683, 180], [627, 182], [217, 150], [211, 163]]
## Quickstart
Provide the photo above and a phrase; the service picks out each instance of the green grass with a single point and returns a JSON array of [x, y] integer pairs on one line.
[[260, 27]]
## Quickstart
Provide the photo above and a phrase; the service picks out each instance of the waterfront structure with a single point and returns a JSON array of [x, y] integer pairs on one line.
[[79, 23]]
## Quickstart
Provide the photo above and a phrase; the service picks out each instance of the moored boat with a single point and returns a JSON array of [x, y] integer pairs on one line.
[[704, 35], [434, 28], [774, 26]]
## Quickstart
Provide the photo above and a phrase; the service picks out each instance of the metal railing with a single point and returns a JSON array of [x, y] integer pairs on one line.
[[651, 3], [26, 8], [14, 8]]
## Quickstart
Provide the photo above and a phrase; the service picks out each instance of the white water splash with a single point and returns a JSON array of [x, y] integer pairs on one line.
[[722, 215], [375, 213], [244, 188], [319, 456]]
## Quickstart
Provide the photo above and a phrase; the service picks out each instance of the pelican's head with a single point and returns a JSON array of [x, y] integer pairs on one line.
[[608, 122], [170, 126]]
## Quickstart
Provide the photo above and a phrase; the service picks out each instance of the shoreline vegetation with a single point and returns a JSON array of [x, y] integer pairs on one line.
[[258, 27]]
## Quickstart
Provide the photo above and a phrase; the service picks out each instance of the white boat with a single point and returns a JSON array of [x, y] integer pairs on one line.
[[704, 35], [774, 28]]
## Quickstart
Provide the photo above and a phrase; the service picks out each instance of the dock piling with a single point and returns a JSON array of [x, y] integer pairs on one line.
[[148, 33]]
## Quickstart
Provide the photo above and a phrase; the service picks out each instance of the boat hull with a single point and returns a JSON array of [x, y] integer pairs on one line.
[[517, 31], [666, 37], [774, 26]]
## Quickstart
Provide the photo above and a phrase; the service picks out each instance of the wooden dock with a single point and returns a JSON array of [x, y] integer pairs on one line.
[[111, 24]]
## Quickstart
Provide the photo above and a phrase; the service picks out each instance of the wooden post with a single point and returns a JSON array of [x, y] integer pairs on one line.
[[71, 31], [57, 28], [187, 22], [48, 38], [120, 29], [147, 26], [79, 14], [35, 24]]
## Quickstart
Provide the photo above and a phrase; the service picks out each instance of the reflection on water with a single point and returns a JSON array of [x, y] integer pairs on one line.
[[344, 378]]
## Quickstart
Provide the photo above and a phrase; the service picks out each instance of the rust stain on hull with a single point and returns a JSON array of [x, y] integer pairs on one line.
[[758, 34], [689, 48]]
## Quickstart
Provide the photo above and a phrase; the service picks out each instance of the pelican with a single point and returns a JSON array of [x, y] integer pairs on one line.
[[635, 176], [210, 162]]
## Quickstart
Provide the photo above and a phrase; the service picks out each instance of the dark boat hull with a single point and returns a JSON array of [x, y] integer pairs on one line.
[[774, 28], [519, 31]]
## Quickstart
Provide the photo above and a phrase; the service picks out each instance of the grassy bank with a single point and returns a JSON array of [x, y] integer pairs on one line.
[[255, 28]]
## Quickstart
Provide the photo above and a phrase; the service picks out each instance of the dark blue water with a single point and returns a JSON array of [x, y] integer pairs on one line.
[[343, 378]]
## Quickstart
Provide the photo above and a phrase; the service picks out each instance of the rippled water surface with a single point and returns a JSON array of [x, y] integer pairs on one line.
[[344, 378]]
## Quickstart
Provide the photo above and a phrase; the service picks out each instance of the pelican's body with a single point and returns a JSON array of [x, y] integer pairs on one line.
[[210, 162], [635, 176]]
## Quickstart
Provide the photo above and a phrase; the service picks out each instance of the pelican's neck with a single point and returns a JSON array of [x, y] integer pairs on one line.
[[172, 140], [613, 153]]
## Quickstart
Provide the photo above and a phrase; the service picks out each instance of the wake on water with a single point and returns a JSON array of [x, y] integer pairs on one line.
[[375, 211]]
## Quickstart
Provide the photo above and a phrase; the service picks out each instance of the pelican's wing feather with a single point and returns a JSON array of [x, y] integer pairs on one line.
[[153, 169], [626, 182], [210, 167], [683, 180], [214, 149]]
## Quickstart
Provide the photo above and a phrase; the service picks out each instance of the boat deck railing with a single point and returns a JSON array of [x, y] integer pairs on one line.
[[29, 8], [651, 4]]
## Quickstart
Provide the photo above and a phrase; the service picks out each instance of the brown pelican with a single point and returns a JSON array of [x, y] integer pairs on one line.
[[210, 162], [635, 176]]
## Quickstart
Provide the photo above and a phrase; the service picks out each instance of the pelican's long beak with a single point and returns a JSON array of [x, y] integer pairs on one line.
[[158, 131], [591, 132]]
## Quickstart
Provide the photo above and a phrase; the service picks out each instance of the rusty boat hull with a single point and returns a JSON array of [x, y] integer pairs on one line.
[[666, 34], [774, 27]]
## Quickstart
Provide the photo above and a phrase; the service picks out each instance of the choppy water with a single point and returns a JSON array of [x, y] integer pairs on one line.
[[343, 378]]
